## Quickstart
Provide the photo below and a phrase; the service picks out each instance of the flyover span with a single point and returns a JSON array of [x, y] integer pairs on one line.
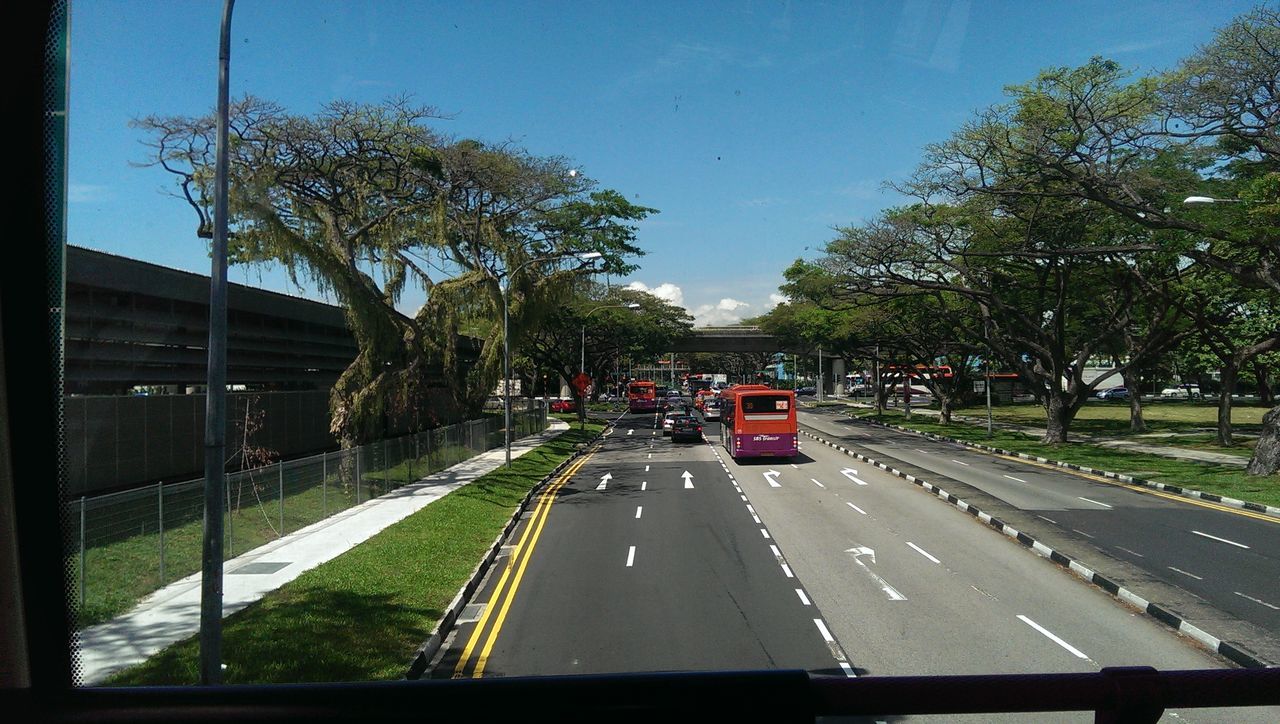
[[753, 339]]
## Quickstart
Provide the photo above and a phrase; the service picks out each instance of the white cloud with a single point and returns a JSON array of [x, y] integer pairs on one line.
[[665, 291], [775, 299], [87, 193], [726, 311]]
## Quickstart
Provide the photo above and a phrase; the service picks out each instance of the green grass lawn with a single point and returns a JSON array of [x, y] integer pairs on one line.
[[1221, 479], [1112, 418], [360, 616], [121, 568]]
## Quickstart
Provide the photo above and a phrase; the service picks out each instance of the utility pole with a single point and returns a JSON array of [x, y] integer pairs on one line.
[[215, 408]]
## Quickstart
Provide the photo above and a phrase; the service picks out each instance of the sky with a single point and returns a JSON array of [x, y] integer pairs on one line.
[[754, 128]]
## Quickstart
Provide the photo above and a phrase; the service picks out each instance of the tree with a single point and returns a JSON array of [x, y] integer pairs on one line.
[[610, 333], [367, 199]]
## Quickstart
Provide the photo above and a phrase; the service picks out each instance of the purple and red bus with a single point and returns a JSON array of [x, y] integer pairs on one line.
[[758, 421], [642, 396]]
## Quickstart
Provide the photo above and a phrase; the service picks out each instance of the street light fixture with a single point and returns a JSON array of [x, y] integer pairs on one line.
[[506, 341], [582, 358], [1193, 200]]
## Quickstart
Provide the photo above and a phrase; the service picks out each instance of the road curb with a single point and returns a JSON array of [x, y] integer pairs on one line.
[[427, 651], [1230, 651], [1128, 479]]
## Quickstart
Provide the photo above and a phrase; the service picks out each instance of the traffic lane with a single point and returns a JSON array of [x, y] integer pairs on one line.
[[1171, 536], [957, 615], [649, 572], [1174, 548]]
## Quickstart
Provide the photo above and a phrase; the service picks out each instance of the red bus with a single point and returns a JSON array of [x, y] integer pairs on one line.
[[758, 421], [642, 396]]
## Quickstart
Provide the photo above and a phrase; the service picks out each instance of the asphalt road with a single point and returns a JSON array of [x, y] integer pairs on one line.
[[817, 564], [1228, 558]]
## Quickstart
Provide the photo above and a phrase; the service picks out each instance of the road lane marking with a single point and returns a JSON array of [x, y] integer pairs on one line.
[[639, 509], [646, 468], [1257, 600], [1223, 540], [851, 505], [513, 572], [815, 482], [631, 556], [753, 510], [1126, 550], [1051, 637], [776, 553], [756, 518], [644, 485], [893, 593], [650, 456], [926, 452], [604, 480], [771, 476], [852, 474], [688, 480], [850, 674], [822, 629], [787, 570], [797, 467], [1041, 517], [1086, 535], [631, 431], [923, 552], [957, 461], [744, 498], [1179, 570], [1020, 480], [764, 532], [803, 598], [1081, 497]]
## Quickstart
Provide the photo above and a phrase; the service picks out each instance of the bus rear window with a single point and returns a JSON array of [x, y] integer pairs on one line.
[[762, 404]]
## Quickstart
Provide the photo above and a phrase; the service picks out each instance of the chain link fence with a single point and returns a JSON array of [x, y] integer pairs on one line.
[[132, 543]]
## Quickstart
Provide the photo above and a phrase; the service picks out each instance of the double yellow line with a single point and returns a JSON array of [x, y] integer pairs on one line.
[[505, 592]]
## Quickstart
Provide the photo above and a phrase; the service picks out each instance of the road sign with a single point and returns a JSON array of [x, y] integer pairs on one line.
[[581, 382]]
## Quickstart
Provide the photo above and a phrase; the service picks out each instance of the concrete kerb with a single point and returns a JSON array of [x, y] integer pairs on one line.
[[429, 648], [1128, 479], [1160, 613]]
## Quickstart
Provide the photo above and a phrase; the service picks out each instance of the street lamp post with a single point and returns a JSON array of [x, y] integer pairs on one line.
[[582, 358], [506, 340]]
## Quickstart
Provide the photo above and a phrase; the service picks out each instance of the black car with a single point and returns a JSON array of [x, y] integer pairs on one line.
[[807, 391], [686, 427]]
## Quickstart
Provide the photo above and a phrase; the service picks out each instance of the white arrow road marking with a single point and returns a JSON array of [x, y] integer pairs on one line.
[[852, 474], [1052, 638], [632, 431], [604, 480], [772, 483], [688, 479], [1222, 540], [890, 591]]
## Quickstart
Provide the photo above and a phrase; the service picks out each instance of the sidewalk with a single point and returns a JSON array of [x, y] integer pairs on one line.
[[1166, 451], [173, 613]]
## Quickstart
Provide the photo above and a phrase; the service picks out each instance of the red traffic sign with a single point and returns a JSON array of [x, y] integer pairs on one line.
[[581, 382]]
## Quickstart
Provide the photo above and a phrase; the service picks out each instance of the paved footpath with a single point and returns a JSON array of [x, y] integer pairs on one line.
[[173, 613]]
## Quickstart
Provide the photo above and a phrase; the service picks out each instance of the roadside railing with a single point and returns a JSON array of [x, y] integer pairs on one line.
[[131, 543]]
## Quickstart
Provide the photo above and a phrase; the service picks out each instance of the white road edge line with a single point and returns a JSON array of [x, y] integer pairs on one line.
[[631, 556], [1257, 600], [922, 552], [803, 598], [1051, 637], [787, 570], [1222, 540], [764, 532], [1179, 570], [1041, 517], [1081, 497]]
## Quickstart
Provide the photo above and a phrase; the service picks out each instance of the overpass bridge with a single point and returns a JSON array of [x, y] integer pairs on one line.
[[753, 339]]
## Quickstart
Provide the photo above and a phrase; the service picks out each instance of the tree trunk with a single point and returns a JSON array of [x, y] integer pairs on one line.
[[1131, 382], [1229, 372], [1266, 457], [945, 415], [1265, 394], [1058, 417]]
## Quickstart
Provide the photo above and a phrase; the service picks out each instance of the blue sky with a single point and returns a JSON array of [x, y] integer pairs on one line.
[[754, 127]]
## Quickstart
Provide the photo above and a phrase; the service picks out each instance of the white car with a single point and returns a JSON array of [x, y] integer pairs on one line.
[[1181, 392], [668, 419]]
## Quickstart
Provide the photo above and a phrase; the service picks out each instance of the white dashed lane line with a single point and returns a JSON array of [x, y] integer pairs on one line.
[[1087, 500], [1257, 600], [1221, 540], [1179, 570], [851, 505], [631, 556], [803, 598], [639, 509], [922, 552], [1051, 637], [815, 482], [1020, 480]]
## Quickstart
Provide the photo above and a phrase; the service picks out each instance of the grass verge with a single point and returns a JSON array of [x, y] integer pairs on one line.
[[360, 616], [1225, 480]]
